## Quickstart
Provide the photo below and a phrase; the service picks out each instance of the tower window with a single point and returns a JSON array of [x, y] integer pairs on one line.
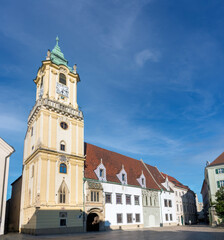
[[62, 146], [62, 78], [63, 168], [42, 81], [63, 193], [64, 125]]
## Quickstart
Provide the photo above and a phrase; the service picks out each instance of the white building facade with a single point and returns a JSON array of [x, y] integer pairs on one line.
[[5, 152]]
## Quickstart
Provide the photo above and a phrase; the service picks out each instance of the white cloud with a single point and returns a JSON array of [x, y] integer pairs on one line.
[[146, 55]]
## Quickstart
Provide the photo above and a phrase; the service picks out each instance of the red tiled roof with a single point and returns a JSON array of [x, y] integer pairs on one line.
[[113, 163], [157, 175], [175, 181], [218, 160]]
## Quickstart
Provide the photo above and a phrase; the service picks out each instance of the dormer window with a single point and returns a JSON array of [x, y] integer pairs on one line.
[[62, 78], [122, 176], [100, 171], [141, 180]]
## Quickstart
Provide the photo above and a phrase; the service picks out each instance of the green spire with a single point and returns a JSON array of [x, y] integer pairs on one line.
[[57, 56]]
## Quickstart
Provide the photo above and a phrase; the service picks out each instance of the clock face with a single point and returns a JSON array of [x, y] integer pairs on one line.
[[62, 89]]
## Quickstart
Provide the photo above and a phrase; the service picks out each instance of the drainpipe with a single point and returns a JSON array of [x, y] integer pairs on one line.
[[3, 186]]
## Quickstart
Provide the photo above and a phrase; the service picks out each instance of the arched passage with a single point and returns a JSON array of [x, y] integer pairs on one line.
[[92, 223]]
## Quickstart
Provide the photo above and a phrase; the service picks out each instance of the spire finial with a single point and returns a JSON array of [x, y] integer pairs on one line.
[[57, 40]]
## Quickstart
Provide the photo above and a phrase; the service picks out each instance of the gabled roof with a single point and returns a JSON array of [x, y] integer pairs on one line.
[[175, 181], [113, 163], [159, 178], [218, 160]]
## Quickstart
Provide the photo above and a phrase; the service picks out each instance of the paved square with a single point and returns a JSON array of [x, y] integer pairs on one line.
[[166, 233]]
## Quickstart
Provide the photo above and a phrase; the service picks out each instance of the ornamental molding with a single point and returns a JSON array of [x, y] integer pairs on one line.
[[54, 106]]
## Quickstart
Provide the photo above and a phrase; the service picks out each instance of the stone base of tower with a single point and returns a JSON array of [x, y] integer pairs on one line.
[[54, 222]]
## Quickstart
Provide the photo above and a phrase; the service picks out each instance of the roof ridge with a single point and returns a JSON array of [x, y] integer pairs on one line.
[[150, 174], [112, 151]]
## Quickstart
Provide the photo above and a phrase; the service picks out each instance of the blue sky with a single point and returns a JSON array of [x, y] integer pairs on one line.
[[151, 76]]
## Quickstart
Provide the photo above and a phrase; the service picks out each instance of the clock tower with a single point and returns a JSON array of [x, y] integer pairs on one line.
[[53, 161]]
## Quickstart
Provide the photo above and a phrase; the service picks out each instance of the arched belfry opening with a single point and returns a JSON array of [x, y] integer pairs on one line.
[[63, 193], [93, 222]]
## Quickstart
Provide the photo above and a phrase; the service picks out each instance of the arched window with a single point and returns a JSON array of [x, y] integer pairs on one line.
[[63, 193], [62, 146], [63, 168], [62, 78]]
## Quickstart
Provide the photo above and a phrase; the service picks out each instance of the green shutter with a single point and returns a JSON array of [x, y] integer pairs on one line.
[[218, 184], [216, 171]]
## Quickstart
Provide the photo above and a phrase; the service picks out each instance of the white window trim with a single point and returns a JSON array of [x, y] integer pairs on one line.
[[140, 180], [119, 176], [97, 171]]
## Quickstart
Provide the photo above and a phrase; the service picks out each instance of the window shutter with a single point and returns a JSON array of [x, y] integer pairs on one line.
[[218, 184], [216, 171]]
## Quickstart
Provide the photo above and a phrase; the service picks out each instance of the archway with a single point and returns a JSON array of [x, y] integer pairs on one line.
[[92, 223]]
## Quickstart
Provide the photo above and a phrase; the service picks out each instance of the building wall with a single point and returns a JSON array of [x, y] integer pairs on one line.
[[168, 195], [5, 151], [112, 209], [14, 210], [151, 208]]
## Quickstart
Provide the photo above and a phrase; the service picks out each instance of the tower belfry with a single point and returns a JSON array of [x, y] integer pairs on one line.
[[52, 189]]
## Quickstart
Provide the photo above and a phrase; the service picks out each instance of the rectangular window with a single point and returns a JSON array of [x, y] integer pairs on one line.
[[101, 173], [170, 203], [119, 198], [176, 193], [150, 201], [177, 207], [220, 170], [220, 183], [137, 217], [165, 203], [167, 219], [94, 196], [123, 177], [119, 218], [171, 217], [62, 222], [129, 218], [146, 200], [143, 181], [108, 198], [128, 199], [62, 147], [31, 131], [137, 200]]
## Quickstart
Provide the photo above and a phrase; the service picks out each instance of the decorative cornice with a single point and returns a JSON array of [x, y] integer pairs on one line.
[[54, 106]]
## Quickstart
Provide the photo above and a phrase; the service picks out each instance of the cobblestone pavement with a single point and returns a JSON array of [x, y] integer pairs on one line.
[[198, 232]]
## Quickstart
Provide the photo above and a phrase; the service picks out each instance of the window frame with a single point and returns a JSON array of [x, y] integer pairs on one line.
[[137, 199], [129, 217], [63, 168], [118, 196], [62, 79], [137, 217], [110, 198], [128, 199], [121, 218]]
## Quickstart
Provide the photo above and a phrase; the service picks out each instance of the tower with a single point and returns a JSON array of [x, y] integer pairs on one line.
[[52, 185]]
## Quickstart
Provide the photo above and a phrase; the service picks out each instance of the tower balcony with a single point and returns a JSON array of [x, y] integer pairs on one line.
[[54, 106]]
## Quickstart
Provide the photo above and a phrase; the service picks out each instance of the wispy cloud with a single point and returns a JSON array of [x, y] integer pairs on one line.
[[146, 55]]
